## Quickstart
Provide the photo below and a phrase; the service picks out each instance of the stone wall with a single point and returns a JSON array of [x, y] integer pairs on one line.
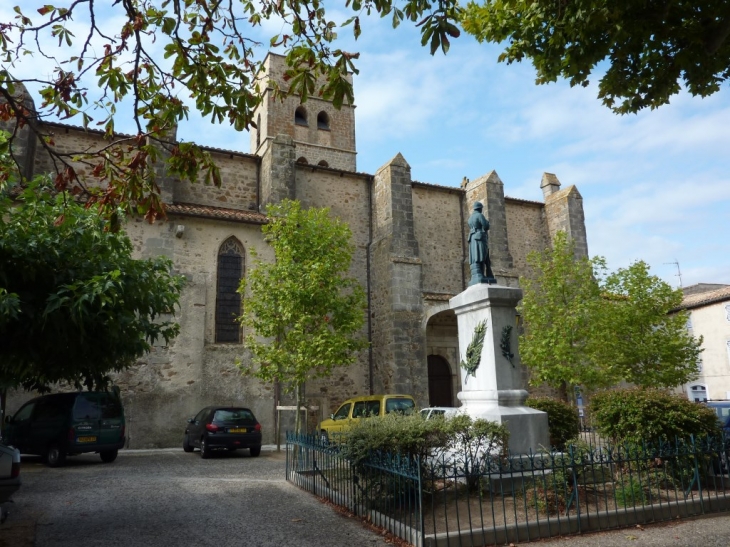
[[526, 231], [334, 144], [439, 232], [239, 187]]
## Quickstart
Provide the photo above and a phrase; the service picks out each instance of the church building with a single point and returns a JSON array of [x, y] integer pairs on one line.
[[411, 256]]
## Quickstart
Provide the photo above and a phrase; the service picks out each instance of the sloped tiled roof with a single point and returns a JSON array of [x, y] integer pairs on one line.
[[702, 299], [217, 213]]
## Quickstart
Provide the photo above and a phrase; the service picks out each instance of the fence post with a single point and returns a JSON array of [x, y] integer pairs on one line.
[[419, 500], [697, 473], [575, 485]]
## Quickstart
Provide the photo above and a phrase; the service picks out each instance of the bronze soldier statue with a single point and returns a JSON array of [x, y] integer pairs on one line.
[[481, 269]]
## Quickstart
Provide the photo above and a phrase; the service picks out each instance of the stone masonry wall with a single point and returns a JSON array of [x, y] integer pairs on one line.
[[277, 118], [238, 190], [439, 232], [526, 230]]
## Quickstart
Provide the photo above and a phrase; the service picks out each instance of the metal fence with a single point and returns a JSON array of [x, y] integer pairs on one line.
[[498, 499]]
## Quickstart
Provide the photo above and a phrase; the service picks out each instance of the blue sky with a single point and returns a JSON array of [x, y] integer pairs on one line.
[[656, 186]]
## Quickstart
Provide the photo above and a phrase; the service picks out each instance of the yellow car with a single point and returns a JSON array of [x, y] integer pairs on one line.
[[353, 410]]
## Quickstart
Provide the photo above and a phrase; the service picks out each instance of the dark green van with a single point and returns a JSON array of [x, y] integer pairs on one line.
[[67, 424]]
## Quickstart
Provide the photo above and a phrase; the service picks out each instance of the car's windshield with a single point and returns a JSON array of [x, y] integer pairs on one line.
[[235, 415]]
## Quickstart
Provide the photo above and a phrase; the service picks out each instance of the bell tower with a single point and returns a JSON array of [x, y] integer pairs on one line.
[[321, 134]]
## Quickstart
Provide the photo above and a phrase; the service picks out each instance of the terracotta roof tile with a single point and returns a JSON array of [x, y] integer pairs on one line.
[[217, 213], [705, 298], [444, 297]]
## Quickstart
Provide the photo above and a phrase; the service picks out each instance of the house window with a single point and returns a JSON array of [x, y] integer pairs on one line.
[[258, 131], [698, 393], [228, 301], [727, 312], [323, 120], [323, 163], [728, 350], [688, 324], [300, 116], [302, 160]]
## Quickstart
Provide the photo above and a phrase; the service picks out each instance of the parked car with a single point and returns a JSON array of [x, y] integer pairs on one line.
[[9, 476], [445, 411], [68, 424], [353, 410], [226, 427]]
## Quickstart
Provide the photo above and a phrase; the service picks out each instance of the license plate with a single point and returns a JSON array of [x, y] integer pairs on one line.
[[237, 430], [86, 440]]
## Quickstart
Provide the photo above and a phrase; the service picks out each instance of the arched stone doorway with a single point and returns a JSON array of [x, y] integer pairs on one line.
[[442, 349], [440, 392]]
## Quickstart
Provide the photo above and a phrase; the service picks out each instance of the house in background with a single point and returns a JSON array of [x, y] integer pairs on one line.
[[709, 309]]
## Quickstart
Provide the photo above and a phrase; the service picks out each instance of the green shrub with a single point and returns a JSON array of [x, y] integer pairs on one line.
[[630, 492], [638, 415], [394, 433], [563, 420]]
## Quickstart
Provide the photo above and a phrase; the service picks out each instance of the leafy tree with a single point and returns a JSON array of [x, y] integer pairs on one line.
[[583, 328], [650, 344], [563, 316], [154, 49], [306, 314], [651, 48], [74, 304]]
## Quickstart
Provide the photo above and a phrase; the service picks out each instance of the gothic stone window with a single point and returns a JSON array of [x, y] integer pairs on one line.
[[228, 301]]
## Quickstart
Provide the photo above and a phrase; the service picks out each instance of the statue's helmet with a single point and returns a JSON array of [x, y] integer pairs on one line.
[[478, 206]]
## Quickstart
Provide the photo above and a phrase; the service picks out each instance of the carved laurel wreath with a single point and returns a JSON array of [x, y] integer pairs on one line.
[[474, 350], [505, 344]]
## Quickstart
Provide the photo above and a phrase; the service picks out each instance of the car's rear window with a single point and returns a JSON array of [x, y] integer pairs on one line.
[[235, 415], [401, 405], [86, 407]]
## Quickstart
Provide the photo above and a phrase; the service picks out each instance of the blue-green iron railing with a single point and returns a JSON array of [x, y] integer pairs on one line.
[[499, 499]]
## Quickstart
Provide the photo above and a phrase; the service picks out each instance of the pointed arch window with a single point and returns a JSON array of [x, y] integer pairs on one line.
[[228, 301]]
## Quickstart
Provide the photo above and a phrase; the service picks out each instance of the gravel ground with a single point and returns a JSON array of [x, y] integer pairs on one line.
[[167, 497]]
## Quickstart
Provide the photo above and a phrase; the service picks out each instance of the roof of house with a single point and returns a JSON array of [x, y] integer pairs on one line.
[[699, 300]]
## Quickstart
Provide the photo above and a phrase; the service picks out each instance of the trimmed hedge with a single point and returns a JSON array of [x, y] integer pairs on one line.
[[467, 439], [563, 419], [636, 415]]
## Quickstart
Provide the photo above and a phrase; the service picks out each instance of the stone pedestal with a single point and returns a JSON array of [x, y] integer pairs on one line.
[[495, 391]]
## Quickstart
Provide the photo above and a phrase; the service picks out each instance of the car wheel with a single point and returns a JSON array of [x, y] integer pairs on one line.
[[108, 456], [255, 451], [55, 456], [187, 447], [204, 449]]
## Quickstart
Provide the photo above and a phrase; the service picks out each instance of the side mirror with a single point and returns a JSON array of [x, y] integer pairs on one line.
[[191, 420], [332, 416], [8, 419]]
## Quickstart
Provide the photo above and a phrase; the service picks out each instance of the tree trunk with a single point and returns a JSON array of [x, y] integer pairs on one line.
[[298, 418]]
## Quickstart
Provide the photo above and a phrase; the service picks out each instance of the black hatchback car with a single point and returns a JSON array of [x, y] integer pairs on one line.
[[224, 427]]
